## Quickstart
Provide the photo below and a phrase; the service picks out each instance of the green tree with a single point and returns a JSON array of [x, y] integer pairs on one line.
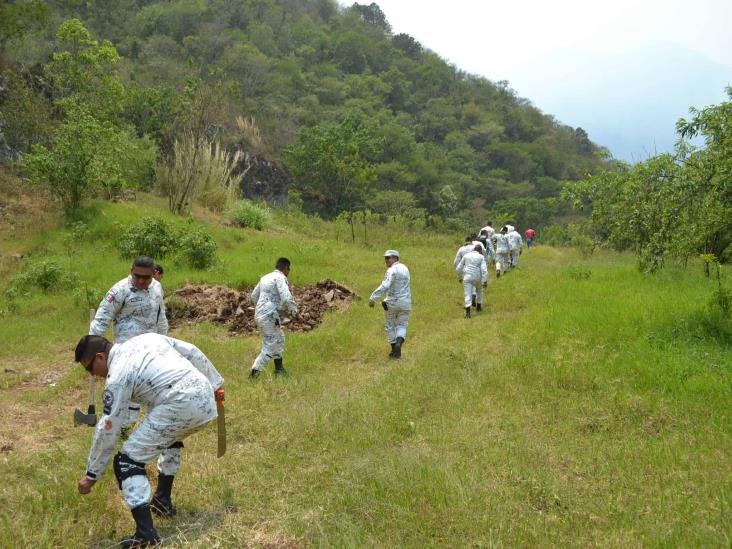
[[27, 115], [17, 18], [84, 72], [83, 157], [333, 164]]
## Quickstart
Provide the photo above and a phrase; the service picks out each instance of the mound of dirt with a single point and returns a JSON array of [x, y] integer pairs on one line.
[[234, 309]]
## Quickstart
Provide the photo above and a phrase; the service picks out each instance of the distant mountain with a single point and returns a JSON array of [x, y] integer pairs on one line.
[[629, 102]]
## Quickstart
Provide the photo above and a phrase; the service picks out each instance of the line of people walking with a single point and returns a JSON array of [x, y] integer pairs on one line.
[[179, 385], [503, 248]]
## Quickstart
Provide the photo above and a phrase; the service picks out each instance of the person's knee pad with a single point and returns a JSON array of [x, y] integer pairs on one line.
[[126, 467]]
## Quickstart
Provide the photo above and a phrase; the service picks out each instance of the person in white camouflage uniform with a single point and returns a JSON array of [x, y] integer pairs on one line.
[[486, 239], [176, 382], [272, 296], [490, 231], [502, 251], [462, 250], [515, 246], [398, 302], [135, 306], [472, 271]]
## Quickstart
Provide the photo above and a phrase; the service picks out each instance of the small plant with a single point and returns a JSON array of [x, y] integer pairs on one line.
[[152, 236], [89, 297], [47, 275], [245, 213], [198, 248]]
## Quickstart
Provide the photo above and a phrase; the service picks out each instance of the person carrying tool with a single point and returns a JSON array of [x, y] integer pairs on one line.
[[472, 271], [270, 297], [176, 382], [398, 303]]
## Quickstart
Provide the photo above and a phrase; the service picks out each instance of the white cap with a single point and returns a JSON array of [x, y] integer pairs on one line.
[[389, 253]]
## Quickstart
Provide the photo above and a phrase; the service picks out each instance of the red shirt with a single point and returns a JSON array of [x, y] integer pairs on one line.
[[529, 233]]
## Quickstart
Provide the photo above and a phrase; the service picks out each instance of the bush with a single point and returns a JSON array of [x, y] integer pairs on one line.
[[47, 275], [198, 248], [152, 236], [555, 235], [246, 213]]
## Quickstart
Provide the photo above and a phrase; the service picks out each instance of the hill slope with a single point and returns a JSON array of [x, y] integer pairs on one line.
[[457, 144], [587, 405]]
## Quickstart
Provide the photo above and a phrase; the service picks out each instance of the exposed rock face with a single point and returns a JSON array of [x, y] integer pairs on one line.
[[7, 153], [234, 309], [264, 180]]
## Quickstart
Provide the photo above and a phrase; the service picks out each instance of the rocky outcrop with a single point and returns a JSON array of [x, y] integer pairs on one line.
[[264, 180]]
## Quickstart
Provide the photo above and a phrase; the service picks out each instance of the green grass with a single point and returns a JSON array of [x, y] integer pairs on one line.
[[585, 406]]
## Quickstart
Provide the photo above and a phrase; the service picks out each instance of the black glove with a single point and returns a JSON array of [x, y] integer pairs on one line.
[[384, 305]]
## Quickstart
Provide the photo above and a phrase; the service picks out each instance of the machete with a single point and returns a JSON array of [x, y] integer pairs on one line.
[[220, 422]]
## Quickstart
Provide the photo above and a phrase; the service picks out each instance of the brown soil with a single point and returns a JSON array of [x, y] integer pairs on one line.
[[234, 309]]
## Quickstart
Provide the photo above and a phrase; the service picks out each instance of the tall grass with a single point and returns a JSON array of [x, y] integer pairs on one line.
[[577, 410]]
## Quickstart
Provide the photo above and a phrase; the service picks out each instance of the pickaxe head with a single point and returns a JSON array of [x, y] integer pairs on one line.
[[90, 418]]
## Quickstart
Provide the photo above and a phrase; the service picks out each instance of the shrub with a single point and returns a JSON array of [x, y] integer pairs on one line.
[[555, 235], [246, 213], [199, 166], [47, 275], [152, 236], [198, 248]]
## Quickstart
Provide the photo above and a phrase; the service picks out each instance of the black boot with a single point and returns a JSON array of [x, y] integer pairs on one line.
[[479, 307], [467, 312], [145, 534], [279, 368], [161, 503], [393, 345], [473, 301], [253, 373], [398, 347]]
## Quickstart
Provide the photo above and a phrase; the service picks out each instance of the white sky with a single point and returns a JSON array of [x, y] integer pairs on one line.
[[528, 41], [499, 39]]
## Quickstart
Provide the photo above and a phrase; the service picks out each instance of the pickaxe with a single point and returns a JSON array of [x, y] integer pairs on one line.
[[90, 418]]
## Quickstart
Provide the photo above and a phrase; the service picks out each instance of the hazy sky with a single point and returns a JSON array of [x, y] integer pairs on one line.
[[528, 42]]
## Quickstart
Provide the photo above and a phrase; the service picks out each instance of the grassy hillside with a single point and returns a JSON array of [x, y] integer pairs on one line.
[[588, 405]]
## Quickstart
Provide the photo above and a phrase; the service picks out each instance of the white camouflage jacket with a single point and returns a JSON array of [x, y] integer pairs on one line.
[[490, 230], [515, 242], [133, 311], [461, 252], [396, 287], [473, 268], [501, 243], [272, 295], [150, 369]]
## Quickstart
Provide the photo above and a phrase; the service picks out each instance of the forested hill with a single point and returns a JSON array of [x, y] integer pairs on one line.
[[295, 81]]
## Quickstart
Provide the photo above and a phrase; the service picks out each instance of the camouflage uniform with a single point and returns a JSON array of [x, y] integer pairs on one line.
[[270, 296], [176, 382]]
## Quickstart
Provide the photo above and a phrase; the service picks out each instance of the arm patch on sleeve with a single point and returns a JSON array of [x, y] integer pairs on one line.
[[107, 400]]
